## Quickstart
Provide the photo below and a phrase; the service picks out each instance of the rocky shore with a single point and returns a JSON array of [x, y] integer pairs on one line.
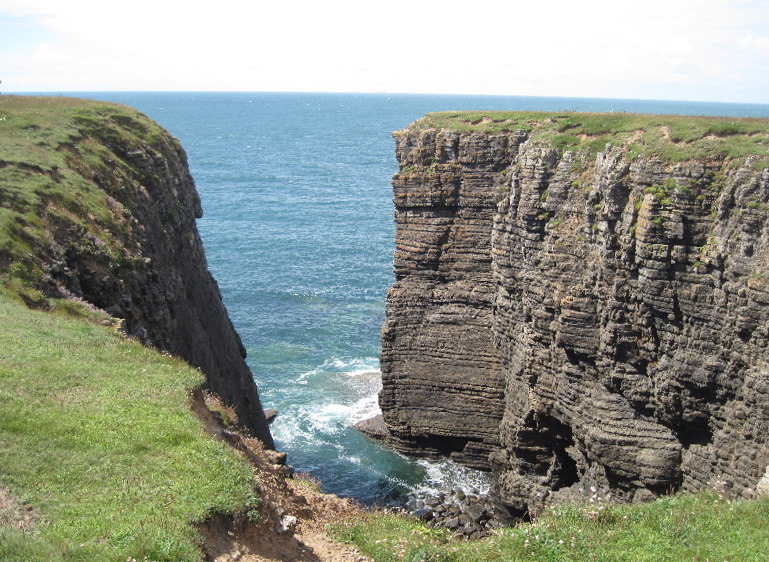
[[469, 515]]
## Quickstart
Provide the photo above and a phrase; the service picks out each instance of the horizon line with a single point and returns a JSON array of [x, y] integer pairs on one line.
[[54, 93]]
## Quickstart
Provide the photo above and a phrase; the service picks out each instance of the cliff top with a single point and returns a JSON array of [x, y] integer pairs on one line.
[[670, 137], [55, 156]]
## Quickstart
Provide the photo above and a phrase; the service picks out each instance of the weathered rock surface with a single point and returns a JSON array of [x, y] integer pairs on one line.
[[580, 321], [468, 515], [118, 210], [443, 385]]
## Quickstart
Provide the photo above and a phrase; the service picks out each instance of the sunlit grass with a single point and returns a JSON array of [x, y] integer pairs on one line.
[[96, 434], [670, 137], [62, 170], [683, 527]]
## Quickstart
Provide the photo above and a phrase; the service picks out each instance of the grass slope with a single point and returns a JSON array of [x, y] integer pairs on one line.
[[684, 527], [670, 137], [96, 434]]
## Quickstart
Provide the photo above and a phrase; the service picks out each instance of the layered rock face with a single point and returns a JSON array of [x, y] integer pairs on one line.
[[442, 380], [583, 321], [118, 211]]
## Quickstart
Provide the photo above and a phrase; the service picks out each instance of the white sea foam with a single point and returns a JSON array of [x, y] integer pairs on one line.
[[353, 366], [364, 373], [290, 428], [302, 378], [356, 367], [346, 392], [447, 474], [365, 408]]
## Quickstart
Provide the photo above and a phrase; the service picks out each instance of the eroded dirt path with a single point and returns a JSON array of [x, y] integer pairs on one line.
[[294, 514]]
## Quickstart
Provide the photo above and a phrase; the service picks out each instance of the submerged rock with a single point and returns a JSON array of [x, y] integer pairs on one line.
[[374, 427], [270, 415]]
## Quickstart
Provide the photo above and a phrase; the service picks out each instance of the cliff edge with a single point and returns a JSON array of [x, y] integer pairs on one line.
[[582, 302], [97, 207]]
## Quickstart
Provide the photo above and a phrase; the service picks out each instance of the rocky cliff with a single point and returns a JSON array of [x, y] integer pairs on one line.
[[582, 302], [97, 206]]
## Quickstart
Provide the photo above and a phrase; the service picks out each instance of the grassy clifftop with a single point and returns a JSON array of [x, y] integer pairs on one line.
[[683, 527], [58, 164], [101, 457], [97, 204], [98, 444], [670, 137]]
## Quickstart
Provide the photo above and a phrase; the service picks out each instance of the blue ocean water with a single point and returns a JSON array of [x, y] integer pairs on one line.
[[298, 230]]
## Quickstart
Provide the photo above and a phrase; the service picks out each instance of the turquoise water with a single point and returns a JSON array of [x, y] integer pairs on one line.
[[298, 229]]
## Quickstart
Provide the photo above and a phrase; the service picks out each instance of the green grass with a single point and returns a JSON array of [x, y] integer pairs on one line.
[[96, 434], [60, 159], [683, 527], [670, 137]]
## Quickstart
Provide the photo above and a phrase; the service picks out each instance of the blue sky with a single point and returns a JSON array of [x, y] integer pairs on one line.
[[710, 50]]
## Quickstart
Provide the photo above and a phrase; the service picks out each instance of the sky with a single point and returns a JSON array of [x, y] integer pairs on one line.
[[694, 50]]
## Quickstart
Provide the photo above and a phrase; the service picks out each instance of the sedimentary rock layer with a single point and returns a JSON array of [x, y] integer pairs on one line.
[[584, 308], [115, 210]]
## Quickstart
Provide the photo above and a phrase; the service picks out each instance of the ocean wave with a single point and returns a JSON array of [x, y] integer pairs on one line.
[[355, 367], [328, 401], [352, 366], [342, 392], [446, 475]]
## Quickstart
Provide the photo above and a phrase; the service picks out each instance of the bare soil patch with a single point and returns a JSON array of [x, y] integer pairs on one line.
[[15, 514], [293, 516]]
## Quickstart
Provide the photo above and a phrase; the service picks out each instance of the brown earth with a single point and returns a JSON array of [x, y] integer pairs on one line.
[[14, 514], [293, 516]]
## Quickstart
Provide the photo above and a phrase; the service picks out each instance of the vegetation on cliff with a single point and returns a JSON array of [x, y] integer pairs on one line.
[[54, 152], [585, 297], [97, 205], [684, 527], [97, 440], [671, 137], [102, 456]]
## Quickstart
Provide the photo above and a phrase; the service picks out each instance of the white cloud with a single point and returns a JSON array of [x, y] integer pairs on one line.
[[703, 49], [757, 43]]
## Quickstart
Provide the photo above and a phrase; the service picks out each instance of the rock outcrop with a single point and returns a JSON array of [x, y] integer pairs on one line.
[[102, 199], [582, 302]]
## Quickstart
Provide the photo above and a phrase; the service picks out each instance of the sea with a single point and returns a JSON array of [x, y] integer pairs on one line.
[[298, 230]]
